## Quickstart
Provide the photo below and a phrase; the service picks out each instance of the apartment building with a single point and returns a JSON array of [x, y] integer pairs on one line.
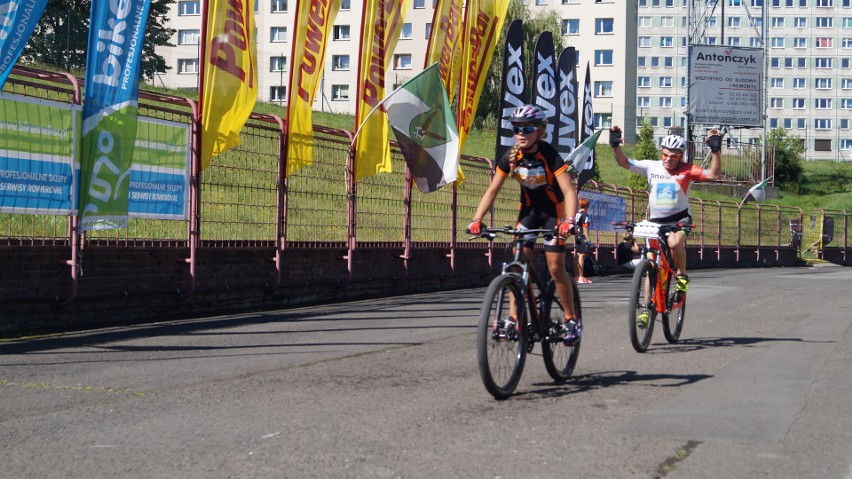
[[637, 52]]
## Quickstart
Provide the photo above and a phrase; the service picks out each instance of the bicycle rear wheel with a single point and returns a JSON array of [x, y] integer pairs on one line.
[[673, 321], [642, 302], [559, 360], [501, 351]]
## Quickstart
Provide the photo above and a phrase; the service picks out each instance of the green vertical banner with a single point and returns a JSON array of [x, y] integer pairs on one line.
[[110, 108]]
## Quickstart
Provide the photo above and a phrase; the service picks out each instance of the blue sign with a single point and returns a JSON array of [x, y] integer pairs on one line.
[[604, 210]]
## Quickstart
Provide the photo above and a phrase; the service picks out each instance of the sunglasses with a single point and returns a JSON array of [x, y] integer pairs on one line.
[[673, 156], [526, 130]]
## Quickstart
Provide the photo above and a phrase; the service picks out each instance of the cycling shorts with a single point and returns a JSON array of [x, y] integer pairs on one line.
[[530, 219]]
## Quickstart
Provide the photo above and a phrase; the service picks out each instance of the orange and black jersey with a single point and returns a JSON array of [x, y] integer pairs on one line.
[[536, 172]]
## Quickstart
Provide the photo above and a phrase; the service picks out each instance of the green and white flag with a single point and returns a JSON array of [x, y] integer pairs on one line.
[[577, 159], [756, 193], [421, 118]]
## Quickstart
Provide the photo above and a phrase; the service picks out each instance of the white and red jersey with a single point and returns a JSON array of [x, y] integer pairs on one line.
[[669, 192]]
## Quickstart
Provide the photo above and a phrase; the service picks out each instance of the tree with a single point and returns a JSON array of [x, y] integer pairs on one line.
[[549, 20], [61, 37], [645, 149], [788, 160]]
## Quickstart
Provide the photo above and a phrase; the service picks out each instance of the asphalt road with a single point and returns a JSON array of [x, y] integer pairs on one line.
[[759, 386]]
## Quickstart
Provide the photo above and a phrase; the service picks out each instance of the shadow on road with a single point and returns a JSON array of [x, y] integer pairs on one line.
[[609, 379]]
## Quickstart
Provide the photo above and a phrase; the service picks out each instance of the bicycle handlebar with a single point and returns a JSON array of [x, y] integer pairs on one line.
[[491, 233], [663, 228]]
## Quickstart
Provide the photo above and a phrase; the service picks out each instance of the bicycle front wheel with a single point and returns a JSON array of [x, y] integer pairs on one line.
[[501, 347], [673, 320], [641, 311], [559, 360]]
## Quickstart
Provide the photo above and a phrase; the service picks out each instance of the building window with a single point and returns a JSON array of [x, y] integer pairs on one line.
[[777, 22], [189, 8], [340, 32], [278, 64], [419, 4], [846, 83], [823, 42], [645, 22], [668, 62], [799, 83], [603, 57], [278, 93], [189, 37], [603, 120], [734, 22], [666, 42], [655, 62], [340, 92], [801, 63], [846, 144], [822, 103], [603, 26], [643, 82], [822, 62], [603, 89], [774, 62], [846, 43], [800, 22], [777, 82], [405, 32], [800, 42], [665, 82], [773, 123], [734, 41], [644, 42], [278, 35], [643, 102], [340, 62], [824, 22], [798, 103], [788, 63], [801, 123], [665, 102], [788, 123], [279, 6], [846, 103], [776, 103], [822, 145], [755, 42], [822, 83], [824, 3], [847, 22], [402, 61], [571, 26], [641, 61], [187, 66]]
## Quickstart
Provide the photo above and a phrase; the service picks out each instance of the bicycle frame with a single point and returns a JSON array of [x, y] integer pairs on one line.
[[657, 250]]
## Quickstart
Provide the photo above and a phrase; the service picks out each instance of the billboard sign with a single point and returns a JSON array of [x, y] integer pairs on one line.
[[725, 85]]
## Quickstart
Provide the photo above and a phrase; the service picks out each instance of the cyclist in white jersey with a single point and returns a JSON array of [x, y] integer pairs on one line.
[[668, 187]]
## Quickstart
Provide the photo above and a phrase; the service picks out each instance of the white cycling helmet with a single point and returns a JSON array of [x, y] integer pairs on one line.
[[528, 114], [673, 142]]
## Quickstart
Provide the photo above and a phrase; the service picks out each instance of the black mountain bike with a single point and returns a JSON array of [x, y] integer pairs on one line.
[[652, 290], [515, 316]]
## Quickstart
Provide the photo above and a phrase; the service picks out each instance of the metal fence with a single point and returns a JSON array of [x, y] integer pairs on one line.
[[244, 200]]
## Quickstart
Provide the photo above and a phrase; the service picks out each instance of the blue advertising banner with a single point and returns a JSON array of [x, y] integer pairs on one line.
[[110, 108], [604, 209], [37, 156], [18, 19], [38, 148]]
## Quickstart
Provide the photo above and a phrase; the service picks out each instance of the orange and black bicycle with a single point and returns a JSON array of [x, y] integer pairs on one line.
[[653, 291]]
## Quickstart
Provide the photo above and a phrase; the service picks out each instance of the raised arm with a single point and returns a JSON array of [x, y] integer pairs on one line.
[[714, 141], [615, 142]]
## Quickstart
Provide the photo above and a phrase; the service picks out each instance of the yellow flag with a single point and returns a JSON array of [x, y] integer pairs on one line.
[[229, 69], [313, 23], [445, 43], [382, 23], [483, 22]]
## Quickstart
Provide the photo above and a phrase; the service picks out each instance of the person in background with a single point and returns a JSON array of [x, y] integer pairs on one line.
[[626, 252], [548, 200], [582, 245]]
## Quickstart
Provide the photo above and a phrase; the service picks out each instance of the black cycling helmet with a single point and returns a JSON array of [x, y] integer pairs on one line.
[[528, 114]]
